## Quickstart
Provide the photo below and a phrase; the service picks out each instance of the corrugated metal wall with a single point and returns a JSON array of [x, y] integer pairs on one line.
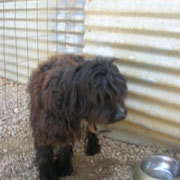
[[31, 30], [145, 36]]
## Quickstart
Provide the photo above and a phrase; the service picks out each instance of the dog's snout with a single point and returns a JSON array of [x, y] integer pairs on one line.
[[121, 113], [120, 116], [122, 110]]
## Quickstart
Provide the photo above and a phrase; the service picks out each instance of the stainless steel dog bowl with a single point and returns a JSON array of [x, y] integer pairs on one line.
[[157, 168]]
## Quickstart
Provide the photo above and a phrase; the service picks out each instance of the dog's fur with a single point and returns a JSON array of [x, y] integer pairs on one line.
[[64, 90]]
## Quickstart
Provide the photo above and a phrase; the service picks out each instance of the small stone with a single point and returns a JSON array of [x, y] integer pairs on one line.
[[178, 155], [5, 150], [11, 83], [16, 111], [100, 169]]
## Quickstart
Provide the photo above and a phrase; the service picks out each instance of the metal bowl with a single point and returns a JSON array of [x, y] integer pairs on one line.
[[157, 168]]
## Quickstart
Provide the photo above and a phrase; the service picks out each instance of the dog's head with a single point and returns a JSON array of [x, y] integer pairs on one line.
[[106, 91], [98, 91]]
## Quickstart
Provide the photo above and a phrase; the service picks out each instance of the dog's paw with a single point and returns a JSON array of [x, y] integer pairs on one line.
[[50, 175], [65, 171], [92, 149]]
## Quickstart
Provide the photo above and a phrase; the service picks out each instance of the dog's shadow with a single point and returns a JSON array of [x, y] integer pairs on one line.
[[92, 167]]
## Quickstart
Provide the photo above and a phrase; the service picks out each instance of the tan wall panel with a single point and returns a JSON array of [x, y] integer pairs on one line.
[[145, 36]]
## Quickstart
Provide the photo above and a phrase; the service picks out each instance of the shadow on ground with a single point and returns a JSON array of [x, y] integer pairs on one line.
[[89, 168]]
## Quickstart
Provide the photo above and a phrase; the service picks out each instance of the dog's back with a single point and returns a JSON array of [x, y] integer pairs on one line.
[[42, 74], [56, 61]]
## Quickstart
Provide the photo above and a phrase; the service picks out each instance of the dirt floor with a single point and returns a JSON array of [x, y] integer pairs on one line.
[[115, 162]]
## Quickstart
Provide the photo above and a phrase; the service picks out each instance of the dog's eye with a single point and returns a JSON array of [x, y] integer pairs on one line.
[[45, 68], [107, 99]]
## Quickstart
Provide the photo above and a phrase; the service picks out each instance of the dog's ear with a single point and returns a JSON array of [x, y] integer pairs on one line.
[[107, 82], [50, 95], [79, 100]]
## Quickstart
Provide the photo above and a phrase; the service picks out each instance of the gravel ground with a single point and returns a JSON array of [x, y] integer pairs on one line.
[[115, 162]]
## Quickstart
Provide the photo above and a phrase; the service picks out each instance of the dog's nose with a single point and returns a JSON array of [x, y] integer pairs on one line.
[[121, 114]]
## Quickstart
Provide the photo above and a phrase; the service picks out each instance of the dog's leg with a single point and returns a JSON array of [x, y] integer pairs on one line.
[[44, 159], [63, 161], [92, 145]]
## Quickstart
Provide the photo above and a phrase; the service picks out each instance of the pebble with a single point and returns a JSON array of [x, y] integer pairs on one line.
[[16, 111], [178, 155], [100, 169], [5, 150]]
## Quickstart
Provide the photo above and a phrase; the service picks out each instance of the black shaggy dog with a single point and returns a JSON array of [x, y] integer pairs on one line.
[[65, 90]]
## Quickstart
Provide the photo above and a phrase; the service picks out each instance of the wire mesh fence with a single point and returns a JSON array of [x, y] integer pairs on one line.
[[30, 32], [33, 30]]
